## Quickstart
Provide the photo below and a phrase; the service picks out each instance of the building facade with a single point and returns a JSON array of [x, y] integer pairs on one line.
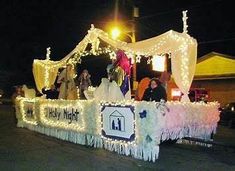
[[215, 74]]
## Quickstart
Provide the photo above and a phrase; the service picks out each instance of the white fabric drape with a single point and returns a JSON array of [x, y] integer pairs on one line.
[[182, 47], [45, 72]]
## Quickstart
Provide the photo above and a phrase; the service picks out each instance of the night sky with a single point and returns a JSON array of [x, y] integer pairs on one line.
[[28, 27]]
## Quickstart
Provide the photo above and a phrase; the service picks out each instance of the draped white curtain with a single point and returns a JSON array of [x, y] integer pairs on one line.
[[45, 71], [182, 47]]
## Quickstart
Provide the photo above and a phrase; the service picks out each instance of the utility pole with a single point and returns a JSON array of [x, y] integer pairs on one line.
[[135, 14], [116, 9]]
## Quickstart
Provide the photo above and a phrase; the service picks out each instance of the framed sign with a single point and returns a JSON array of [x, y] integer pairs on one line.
[[65, 115], [118, 122], [28, 110]]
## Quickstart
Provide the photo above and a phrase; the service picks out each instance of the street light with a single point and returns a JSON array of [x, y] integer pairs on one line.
[[115, 33]]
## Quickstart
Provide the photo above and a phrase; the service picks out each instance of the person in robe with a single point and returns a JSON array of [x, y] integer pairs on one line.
[[68, 88], [108, 91], [58, 83], [83, 82], [17, 93], [116, 86]]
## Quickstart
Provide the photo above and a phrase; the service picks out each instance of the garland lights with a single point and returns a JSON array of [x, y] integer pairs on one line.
[[185, 25], [62, 105], [28, 116], [179, 45], [161, 121], [119, 103], [150, 123]]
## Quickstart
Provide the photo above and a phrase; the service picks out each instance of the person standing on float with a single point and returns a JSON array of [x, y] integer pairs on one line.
[[68, 88], [83, 82], [155, 91]]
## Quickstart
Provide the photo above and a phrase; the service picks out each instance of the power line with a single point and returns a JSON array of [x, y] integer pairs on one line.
[[216, 41], [160, 13], [177, 10]]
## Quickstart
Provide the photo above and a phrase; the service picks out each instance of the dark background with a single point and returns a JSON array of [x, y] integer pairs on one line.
[[27, 28]]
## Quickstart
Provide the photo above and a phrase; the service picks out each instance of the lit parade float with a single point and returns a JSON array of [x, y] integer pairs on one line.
[[128, 127]]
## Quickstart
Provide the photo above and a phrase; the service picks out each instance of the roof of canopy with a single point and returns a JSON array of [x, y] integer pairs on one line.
[[183, 49]]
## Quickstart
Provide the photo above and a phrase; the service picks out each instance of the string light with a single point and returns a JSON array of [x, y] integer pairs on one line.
[[48, 53], [63, 105], [122, 103], [196, 116], [180, 45], [149, 61], [112, 55], [138, 58], [23, 105], [185, 25]]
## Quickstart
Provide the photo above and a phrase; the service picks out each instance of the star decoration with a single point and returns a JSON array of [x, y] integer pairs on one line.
[[112, 55], [148, 61], [143, 114], [138, 59]]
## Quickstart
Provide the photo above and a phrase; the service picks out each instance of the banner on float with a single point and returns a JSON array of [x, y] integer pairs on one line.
[[28, 111], [66, 116], [118, 122]]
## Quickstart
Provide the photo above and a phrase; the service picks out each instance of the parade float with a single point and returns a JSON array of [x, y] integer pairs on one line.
[[128, 127]]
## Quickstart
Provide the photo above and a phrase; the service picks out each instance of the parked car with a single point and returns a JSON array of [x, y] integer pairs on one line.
[[227, 115], [1, 94]]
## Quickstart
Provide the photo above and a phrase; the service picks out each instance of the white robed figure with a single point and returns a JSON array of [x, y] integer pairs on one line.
[[68, 88], [117, 86], [108, 91]]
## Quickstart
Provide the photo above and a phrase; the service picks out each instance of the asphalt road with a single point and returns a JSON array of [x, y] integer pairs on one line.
[[22, 149]]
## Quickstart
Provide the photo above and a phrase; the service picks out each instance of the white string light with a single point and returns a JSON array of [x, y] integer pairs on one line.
[[149, 61], [66, 104], [26, 119], [48, 53], [185, 25], [182, 45], [138, 58], [112, 55]]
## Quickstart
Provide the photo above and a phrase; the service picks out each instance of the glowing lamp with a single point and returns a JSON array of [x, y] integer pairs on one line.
[[175, 93], [158, 63], [115, 33]]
